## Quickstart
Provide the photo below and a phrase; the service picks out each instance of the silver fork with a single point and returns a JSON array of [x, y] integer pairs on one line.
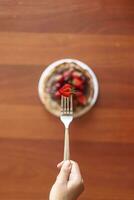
[[66, 117]]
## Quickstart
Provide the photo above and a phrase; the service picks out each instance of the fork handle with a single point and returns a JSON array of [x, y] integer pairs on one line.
[[66, 145]]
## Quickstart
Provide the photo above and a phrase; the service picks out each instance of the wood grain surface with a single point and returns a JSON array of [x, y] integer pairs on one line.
[[32, 35]]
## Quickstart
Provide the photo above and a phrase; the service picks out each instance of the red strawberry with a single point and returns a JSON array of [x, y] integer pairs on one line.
[[77, 82], [67, 85], [82, 100], [66, 90], [66, 94]]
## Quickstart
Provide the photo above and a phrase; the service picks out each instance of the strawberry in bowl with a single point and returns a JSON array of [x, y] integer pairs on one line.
[[66, 90], [64, 78]]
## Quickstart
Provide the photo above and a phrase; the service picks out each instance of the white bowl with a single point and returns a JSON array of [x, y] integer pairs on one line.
[[82, 65]]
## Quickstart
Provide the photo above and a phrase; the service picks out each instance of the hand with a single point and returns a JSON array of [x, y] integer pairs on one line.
[[69, 182]]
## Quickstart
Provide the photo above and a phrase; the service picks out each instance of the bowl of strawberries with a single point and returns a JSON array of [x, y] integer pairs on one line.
[[67, 77]]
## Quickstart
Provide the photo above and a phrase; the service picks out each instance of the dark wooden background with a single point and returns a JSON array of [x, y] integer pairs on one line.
[[34, 33]]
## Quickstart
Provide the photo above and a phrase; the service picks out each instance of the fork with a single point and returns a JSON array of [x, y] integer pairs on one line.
[[66, 117]]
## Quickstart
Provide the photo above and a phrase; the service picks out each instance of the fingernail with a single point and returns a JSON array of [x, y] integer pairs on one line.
[[66, 164]]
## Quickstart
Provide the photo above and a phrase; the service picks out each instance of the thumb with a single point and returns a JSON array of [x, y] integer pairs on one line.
[[64, 172]]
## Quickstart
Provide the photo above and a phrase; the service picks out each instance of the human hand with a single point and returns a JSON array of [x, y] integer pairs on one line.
[[69, 183]]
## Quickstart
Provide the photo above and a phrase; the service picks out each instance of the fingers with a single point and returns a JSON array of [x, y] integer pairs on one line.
[[75, 178], [65, 171], [75, 171], [59, 165]]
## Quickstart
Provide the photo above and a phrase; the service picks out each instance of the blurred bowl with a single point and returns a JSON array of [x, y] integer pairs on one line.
[[49, 69]]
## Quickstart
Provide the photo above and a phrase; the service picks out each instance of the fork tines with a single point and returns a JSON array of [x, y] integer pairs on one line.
[[66, 105]]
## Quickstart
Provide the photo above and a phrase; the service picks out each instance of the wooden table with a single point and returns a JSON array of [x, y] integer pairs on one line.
[[32, 35]]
